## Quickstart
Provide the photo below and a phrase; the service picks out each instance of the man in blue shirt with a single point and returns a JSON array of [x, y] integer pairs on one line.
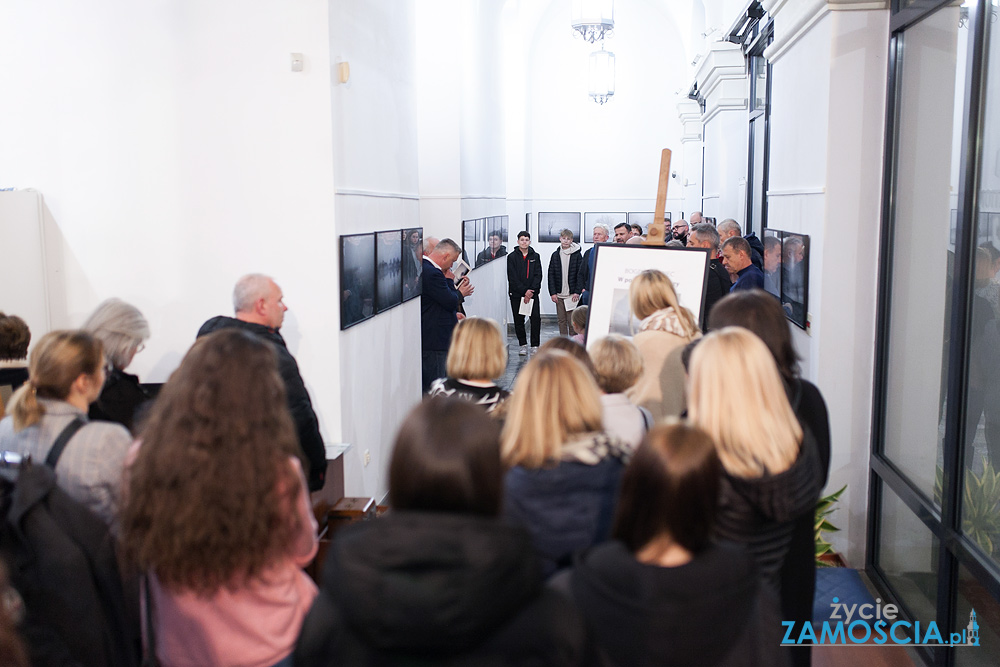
[[736, 259]]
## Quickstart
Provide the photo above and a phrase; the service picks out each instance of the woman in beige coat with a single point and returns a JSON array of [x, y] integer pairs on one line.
[[665, 328]]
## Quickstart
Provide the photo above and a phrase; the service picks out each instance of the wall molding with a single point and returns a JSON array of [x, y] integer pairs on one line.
[[792, 192], [377, 194], [800, 21]]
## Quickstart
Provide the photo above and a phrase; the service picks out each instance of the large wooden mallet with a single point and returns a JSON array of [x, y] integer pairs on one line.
[[657, 232]]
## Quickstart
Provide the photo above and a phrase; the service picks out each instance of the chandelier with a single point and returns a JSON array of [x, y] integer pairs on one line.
[[602, 75], [593, 19]]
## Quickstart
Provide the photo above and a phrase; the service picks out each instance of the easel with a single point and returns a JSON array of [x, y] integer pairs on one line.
[[656, 234]]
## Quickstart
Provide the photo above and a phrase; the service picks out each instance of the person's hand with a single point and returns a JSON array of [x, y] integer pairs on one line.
[[575, 297], [530, 293], [555, 298], [465, 287], [527, 298], [449, 275], [460, 316]]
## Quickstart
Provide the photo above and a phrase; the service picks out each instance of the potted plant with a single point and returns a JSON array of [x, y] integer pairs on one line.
[[827, 505]]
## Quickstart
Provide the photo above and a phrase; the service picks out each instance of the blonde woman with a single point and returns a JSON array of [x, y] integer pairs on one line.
[[564, 470], [66, 374], [771, 469], [477, 355], [618, 366], [665, 328]]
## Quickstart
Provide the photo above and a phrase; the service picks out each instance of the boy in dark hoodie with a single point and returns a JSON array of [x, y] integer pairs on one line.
[[564, 278]]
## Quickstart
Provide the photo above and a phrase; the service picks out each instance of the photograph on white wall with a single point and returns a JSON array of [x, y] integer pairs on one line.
[[644, 220], [413, 261], [551, 225], [772, 262], [795, 277], [609, 220], [389, 286], [357, 279], [616, 265]]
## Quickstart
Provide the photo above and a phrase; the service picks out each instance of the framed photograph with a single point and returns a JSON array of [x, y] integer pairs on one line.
[[412, 261], [505, 228], [527, 226], [470, 234], [795, 277], [550, 225], [388, 277], [357, 279], [641, 219], [710, 221], [772, 262], [609, 220], [495, 248], [615, 265]]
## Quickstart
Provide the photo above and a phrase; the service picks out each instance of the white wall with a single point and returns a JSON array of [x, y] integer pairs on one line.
[[825, 175], [175, 154]]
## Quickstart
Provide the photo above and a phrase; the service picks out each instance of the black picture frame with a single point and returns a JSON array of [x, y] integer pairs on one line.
[[642, 218], [412, 262], [772, 277], [357, 279], [551, 224], [388, 269], [795, 277]]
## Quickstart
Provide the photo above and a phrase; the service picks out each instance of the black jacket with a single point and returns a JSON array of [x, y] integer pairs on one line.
[[440, 302], [756, 250], [761, 513], [121, 400], [415, 588], [487, 255], [523, 273], [555, 272], [711, 611], [63, 563], [306, 424], [716, 288]]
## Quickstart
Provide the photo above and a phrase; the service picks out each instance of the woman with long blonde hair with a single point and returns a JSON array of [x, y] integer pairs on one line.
[[665, 328], [564, 470], [65, 375], [772, 472]]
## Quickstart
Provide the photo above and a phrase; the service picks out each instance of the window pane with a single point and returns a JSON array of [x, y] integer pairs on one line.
[[981, 500], [972, 595], [931, 90], [908, 555]]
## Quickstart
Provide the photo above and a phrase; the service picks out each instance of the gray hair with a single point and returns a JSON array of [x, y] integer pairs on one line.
[[737, 244], [120, 327], [450, 245], [248, 289], [730, 225], [604, 227], [429, 244], [706, 232]]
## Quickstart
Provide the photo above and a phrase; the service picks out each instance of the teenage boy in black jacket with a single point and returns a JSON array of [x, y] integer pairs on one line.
[[524, 280], [564, 285]]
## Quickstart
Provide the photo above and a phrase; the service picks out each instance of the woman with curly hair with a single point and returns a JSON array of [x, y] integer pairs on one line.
[[217, 512], [666, 327]]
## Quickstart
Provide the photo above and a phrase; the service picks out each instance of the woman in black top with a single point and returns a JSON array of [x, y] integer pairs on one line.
[[662, 593], [477, 355], [123, 331], [440, 579], [762, 314]]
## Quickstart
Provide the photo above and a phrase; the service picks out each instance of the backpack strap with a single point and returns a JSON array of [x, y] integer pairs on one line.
[[60, 444]]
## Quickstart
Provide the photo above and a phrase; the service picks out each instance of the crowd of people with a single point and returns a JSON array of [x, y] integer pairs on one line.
[[647, 502]]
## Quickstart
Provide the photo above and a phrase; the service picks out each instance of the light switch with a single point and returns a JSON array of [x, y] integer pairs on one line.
[[297, 62]]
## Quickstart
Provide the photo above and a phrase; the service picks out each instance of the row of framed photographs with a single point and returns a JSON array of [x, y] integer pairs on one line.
[[786, 272], [378, 271], [550, 225], [484, 239]]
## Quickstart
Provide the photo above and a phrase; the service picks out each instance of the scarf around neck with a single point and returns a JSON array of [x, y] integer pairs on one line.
[[667, 320]]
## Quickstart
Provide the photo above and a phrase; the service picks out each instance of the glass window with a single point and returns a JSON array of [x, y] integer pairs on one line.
[[759, 82], [981, 498], [908, 557], [929, 123]]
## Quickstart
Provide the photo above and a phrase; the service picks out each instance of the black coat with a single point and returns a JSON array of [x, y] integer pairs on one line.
[[716, 288], [711, 611], [121, 399], [436, 588], [555, 272], [487, 255], [762, 513], [440, 301], [299, 403], [523, 273]]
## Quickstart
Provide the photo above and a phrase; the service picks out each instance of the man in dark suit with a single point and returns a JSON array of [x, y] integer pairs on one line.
[[704, 235], [438, 310]]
